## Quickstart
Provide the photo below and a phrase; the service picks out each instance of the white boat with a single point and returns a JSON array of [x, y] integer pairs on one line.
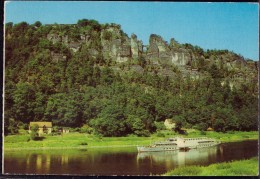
[[192, 143], [179, 143], [168, 145]]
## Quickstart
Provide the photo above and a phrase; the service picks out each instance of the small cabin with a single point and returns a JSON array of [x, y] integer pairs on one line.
[[44, 127], [169, 124]]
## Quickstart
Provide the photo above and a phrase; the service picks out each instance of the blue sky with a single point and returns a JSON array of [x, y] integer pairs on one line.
[[232, 26]]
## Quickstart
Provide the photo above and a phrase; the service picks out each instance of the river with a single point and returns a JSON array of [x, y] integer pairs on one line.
[[120, 161]]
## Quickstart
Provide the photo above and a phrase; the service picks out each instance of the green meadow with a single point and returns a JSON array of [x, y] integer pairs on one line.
[[235, 168], [82, 140]]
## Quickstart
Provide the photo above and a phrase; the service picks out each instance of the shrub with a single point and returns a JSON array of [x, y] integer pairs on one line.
[[159, 125], [25, 126], [12, 130], [202, 126], [22, 132], [83, 143], [10, 126], [100, 137], [77, 129], [107, 35], [56, 130], [34, 135], [143, 133], [20, 125], [231, 132], [189, 126], [131, 135], [202, 132], [34, 132], [160, 134], [86, 129]]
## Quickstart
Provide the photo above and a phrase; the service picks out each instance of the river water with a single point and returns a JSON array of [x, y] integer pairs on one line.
[[121, 161]]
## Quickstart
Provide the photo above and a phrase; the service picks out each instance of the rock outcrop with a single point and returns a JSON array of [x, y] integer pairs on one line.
[[159, 50], [136, 46], [113, 44]]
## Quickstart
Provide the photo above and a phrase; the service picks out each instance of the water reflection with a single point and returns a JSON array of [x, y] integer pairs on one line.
[[122, 161], [172, 159]]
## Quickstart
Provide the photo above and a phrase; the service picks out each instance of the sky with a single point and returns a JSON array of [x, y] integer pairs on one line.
[[232, 26]]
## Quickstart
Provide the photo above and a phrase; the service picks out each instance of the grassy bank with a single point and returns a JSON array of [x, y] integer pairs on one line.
[[72, 140], [234, 168], [230, 136], [78, 140]]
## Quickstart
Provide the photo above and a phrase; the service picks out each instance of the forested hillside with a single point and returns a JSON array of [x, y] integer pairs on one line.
[[94, 75]]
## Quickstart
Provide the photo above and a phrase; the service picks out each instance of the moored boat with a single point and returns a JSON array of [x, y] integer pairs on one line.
[[179, 143], [168, 145], [199, 142]]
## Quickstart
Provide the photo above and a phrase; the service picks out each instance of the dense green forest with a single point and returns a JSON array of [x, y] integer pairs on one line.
[[88, 88]]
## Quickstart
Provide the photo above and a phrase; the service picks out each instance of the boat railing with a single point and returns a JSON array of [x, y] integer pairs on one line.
[[196, 138]]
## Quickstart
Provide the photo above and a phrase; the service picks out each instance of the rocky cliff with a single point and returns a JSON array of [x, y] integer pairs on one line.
[[167, 59], [95, 74]]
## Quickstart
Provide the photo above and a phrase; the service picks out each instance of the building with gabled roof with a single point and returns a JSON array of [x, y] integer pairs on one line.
[[44, 127]]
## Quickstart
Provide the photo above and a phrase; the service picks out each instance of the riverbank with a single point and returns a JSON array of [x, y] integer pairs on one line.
[[235, 168], [79, 140], [230, 136]]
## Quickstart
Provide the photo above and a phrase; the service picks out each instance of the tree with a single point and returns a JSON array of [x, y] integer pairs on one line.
[[34, 132], [219, 125], [159, 125], [226, 92], [20, 29], [92, 23], [178, 123], [10, 126], [107, 35], [37, 24], [136, 126], [24, 96], [85, 87], [201, 64], [8, 27], [202, 126], [65, 109], [107, 76], [215, 72], [141, 61], [111, 121]]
